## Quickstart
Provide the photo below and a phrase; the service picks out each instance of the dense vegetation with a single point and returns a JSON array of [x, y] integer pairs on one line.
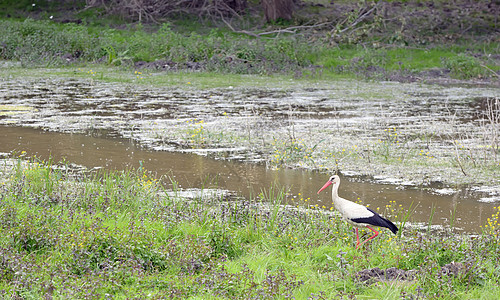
[[67, 235], [386, 41]]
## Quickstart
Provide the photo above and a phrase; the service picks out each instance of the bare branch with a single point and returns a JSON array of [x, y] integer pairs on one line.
[[291, 30], [491, 71], [360, 18]]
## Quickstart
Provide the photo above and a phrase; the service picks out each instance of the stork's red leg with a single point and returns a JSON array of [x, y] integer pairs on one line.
[[376, 233], [357, 238]]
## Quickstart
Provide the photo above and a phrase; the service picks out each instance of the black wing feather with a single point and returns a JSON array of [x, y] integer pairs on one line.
[[377, 220]]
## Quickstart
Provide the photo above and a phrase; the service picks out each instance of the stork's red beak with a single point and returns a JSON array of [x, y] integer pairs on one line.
[[327, 184]]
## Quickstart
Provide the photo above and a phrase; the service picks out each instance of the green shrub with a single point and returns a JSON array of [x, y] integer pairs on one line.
[[222, 243], [464, 66], [46, 43]]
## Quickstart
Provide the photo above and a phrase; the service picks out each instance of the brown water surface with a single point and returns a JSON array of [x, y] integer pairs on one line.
[[248, 179]]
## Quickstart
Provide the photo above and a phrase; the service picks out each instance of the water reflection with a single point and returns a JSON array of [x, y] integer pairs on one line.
[[194, 171]]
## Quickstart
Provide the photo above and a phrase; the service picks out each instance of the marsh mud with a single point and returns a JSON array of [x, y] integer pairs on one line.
[[435, 146]]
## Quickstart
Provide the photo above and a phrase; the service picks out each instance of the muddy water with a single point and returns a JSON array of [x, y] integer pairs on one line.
[[346, 122], [194, 171]]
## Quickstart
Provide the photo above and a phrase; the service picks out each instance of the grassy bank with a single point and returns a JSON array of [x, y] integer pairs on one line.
[[47, 44], [121, 235]]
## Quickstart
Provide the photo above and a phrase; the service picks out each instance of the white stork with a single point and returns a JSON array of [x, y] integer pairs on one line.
[[356, 214]]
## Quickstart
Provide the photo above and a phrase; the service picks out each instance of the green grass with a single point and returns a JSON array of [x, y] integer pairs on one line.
[[406, 59], [70, 235], [182, 79]]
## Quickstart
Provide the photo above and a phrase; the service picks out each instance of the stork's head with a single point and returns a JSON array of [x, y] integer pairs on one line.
[[335, 179]]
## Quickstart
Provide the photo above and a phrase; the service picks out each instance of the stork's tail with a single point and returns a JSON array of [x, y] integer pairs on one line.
[[391, 226]]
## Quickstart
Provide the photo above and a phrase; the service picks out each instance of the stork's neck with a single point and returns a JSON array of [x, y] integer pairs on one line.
[[337, 201], [335, 193]]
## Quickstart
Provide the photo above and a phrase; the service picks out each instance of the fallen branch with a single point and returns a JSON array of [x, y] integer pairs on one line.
[[159, 10], [360, 18], [294, 29], [291, 30], [238, 31], [488, 69]]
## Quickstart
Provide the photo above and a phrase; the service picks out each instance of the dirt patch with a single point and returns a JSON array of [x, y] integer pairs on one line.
[[406, 23], [167, 65], [370, 276], [377, 274]]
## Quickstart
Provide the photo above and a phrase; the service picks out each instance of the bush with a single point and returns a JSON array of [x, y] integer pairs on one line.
[[41, 42], [45, 43], [463, 66]]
